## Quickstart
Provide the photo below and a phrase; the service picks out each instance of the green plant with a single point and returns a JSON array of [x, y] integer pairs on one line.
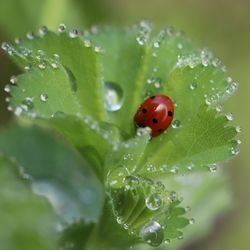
[[109, 186]]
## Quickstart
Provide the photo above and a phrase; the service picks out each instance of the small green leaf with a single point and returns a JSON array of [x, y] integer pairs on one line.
[[27, 222], [56, 170]]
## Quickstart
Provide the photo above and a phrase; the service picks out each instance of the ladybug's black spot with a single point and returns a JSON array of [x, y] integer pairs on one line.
[[170, 113], [144, 111], [154, 120], [152, 97], [160, 130]]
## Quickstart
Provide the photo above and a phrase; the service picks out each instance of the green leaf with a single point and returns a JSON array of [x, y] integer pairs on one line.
[[56, 170], [147, 210], [81, 62], [27, 222], [200, 135], [76, 235], [124, 66], [105, 75]]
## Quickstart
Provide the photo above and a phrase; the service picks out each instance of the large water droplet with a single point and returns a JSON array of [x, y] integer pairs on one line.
[[152, 233], [113, 96], [153, 201]]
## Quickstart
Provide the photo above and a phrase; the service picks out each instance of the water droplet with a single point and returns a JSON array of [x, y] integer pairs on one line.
[[150, 168], [30, 35], [229, 116], [7, 88], [153, 202], [18, 40], [40, 55], [238, 129], [176, 124], [235, 150], [44, 97], [28, 102], [180, 237], [172, 196], [73, 33], [55, 61], [27, 67], [8, 48], [42, 65], [232, 87], [18, 111], [190, 167], [113, 96], [191, 221], [43, 30], [87, 43], [143, 131], [98, 49], [9, 108], [13, 80], [152, 233], [174, 169], [62, 28], [187, 209], [238, 142], [157, 44], [143, 32], [180, 46], [4, 46], [193, 86], [167, 241], [212, 168], [218, 108], [131, 182]]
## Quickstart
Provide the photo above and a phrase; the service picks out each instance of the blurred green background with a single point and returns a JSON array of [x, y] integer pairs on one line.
[[221, 25]]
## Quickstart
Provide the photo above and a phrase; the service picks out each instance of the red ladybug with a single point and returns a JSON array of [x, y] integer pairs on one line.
[[156, 112]]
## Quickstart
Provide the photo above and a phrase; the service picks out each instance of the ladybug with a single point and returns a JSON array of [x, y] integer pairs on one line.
[[156, 112]]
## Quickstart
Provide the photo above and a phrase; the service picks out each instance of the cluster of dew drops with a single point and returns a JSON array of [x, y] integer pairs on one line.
[[112, 92], [158, 200], [206, 58]]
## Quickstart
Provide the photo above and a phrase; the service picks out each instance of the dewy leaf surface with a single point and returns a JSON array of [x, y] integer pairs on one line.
[[56, 170], [94, 83], [27, 222], [81, 62]]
